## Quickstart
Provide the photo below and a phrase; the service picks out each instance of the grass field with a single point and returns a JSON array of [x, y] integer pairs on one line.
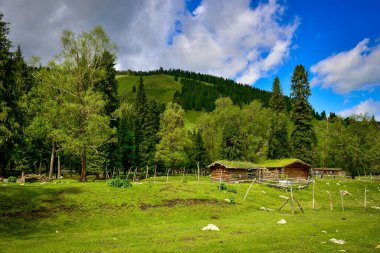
[[67, 216], [158, 87], [191, 119]]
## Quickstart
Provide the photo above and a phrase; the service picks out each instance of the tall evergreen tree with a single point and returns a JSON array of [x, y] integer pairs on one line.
[[141, 106], [303, 136], [14, 84], [149, 130], [198, 151], [278, 144], [277, 101], [108, 87]]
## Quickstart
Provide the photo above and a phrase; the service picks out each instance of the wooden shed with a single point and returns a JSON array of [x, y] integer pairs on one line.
[[229, 171], [329, 171], [290, 168], [273, 170]]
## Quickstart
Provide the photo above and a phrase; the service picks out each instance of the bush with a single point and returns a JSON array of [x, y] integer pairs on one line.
[[233, 190], [222, 186], [12, 179], [117, 182]]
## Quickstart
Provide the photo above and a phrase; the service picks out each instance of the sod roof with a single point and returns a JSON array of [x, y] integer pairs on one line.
[[280, 162], [265, 164], [235, 164]]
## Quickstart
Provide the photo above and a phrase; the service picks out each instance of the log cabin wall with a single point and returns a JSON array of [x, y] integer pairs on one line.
[[228, 175], [270, 174], [297, 170]]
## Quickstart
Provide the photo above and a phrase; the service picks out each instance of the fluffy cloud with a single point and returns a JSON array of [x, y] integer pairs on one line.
[[369, 106], [226, 38], [356, 69]]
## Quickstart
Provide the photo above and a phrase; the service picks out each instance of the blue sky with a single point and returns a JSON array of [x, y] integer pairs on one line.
[[328, 27], [249, 41]]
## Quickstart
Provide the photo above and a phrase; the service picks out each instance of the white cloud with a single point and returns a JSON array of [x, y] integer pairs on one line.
[[369, 106], [356, 69], [225, 38]]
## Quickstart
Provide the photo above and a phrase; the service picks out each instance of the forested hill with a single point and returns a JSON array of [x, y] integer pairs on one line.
[[195, 91]]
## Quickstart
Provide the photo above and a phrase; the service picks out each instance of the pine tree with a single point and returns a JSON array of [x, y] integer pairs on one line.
[[278, 144], [277, 101], [141, 105], [108, 87], [149, 130], [141, 99], [198, 151], [13, 86], [303, 136], [231, 148]]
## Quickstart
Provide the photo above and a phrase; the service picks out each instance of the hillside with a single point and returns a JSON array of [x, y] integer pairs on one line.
[[159, 87]]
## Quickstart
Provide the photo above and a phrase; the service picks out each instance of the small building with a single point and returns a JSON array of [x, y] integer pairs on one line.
[[290, 168], [228, 171], [329, 171]]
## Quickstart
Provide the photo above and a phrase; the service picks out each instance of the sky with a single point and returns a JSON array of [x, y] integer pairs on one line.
[[250, 42]]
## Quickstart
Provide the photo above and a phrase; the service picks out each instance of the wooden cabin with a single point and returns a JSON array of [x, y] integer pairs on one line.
[[291, 168], [329, 172], [229, 171]]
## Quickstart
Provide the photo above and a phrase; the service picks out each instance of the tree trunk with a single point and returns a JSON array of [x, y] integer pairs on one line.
[[83, 167], [51, 161], [39, 168], [59, 168]]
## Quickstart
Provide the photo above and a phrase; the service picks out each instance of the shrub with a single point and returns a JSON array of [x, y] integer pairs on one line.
[[222, 186], [12, 179], [232, 200], [233, 190], [117, 182]]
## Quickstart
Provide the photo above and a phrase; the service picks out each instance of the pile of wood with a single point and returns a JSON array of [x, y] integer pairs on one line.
[[31, 178]]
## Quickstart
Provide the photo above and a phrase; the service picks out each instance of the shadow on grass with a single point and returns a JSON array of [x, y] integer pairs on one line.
[[24, 210]]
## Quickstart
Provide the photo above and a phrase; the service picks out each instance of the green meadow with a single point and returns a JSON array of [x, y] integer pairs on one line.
[[160, 216]]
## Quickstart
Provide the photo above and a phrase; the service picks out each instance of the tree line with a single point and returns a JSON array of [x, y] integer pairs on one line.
[[67, 115]]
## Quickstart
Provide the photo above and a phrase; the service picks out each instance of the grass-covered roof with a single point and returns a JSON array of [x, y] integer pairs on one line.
[[235, 164], [280, 162]]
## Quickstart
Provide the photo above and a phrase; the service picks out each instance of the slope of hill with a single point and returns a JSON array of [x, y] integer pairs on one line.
[[158, 87]]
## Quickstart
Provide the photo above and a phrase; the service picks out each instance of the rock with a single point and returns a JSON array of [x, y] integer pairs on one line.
[[375, 207], [333, 240], [227, 201], [210, 227], [266, 209], [56, 231], [342, 250], [282, 221], [344, 193], [327, 183], [337, 183], [323, 231], [378, 246], [263, 191]]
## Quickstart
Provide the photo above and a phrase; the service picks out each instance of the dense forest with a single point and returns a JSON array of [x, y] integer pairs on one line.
[[67, 116]]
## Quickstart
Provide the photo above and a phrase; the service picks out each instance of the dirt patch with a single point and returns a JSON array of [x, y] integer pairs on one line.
[[70, 190], [110, 207], [183, 202], [33, 214], [40, 213]]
